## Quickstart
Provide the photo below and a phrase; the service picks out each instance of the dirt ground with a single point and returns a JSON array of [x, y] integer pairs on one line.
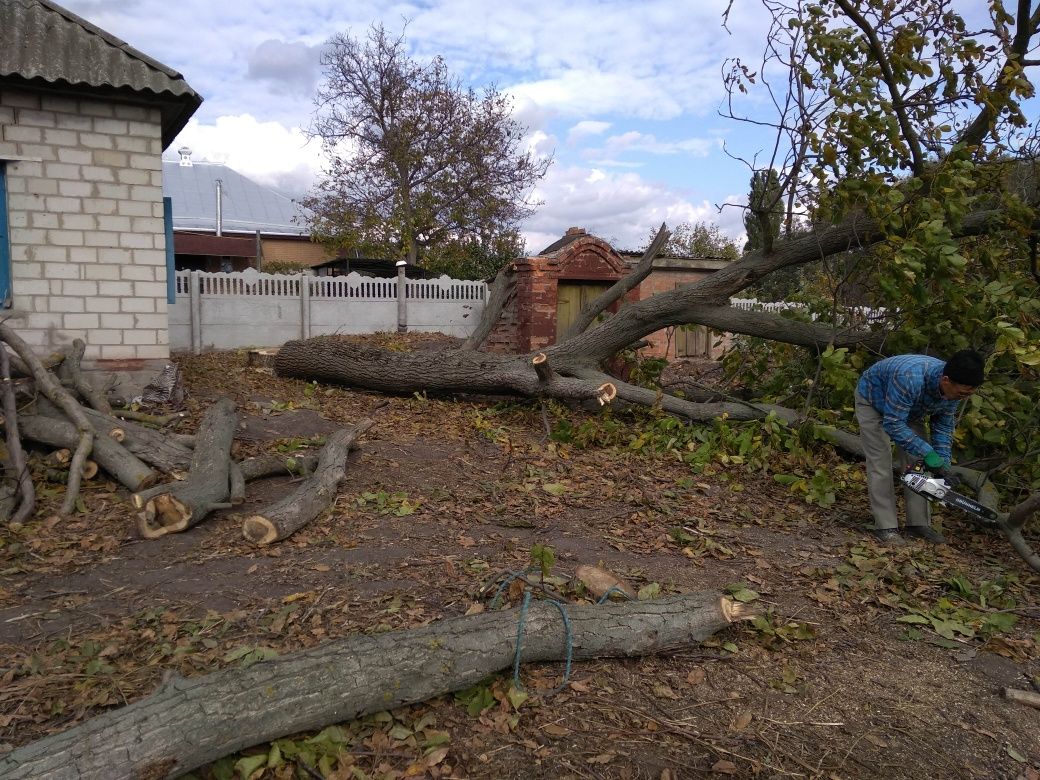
[[868, 662]]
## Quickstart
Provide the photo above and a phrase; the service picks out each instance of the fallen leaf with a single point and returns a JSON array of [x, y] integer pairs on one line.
[[741, 722], [662, 691], [696, 676], [1014, 755], [723, 767]]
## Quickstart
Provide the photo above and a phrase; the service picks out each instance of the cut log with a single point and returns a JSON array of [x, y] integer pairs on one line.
[[1029, 698], [155, 447], [158, 420], [90, 470], [108, 453], [51, 387], [190, 722], [275, 465], [71, 375], [207, 486], [310, 499], [15, 455]]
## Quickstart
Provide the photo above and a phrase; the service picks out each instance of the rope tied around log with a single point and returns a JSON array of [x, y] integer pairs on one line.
[[496, 601]]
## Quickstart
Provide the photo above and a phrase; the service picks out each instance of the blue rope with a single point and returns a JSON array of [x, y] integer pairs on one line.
[[613, 589], [521, 621]]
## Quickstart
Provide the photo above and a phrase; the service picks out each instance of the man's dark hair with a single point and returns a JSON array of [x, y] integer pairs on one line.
[[966, 367]]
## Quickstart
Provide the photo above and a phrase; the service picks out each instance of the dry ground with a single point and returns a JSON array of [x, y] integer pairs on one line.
[[445, 494]]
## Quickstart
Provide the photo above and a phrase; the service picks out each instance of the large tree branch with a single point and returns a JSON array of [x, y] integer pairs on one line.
[[1026, 26], [905, 126], [620, 288], [637, 320], [501, 292]]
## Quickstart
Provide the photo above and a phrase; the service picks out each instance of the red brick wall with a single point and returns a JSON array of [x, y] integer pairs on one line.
[[529, 321]]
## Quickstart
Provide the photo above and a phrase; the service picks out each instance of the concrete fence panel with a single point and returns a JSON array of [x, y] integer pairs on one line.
[[252, 309]]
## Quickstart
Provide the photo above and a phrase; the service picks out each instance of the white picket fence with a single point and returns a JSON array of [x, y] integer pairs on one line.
[[232, 310]]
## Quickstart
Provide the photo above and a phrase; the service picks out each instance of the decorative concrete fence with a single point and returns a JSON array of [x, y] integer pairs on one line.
[[252, 309], [855, 315]]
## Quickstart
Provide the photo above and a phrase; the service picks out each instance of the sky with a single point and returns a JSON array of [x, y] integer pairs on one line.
[[624, 95]]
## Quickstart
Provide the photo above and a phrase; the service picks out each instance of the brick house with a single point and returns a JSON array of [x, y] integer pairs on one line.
[[84, 119], [553, 286]]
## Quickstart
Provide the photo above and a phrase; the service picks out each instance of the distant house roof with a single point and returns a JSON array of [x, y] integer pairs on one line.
[[572, 235], [45, 45], [246, 207]]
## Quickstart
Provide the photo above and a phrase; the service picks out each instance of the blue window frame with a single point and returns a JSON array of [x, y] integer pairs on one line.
[[5, 242]]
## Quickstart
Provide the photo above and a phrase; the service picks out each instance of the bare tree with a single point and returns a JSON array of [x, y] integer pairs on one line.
[[416, 160]]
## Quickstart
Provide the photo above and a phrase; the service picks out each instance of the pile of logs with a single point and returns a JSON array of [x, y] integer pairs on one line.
[[176, 479]]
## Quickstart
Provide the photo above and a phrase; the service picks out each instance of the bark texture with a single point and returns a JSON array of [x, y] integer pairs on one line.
[[315, 495], [208, 485], [190, 722], [49, 385], [122, 466]]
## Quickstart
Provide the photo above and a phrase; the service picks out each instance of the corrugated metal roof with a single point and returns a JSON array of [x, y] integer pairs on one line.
[[245, 205], [42, 42]]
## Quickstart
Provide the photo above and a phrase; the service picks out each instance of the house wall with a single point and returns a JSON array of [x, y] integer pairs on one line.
[[86, 217], [288, 250]]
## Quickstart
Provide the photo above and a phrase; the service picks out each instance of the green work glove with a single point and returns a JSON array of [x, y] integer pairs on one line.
[[933, 460]]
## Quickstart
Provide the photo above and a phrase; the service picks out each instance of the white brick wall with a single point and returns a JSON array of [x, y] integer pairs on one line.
[[87, 248]]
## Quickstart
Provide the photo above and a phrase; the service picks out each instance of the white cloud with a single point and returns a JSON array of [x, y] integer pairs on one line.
[[634, 141], [267, 152], [620, 207], [586, 128]]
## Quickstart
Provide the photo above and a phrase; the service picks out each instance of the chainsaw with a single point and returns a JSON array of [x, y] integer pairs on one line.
[[937, 491]]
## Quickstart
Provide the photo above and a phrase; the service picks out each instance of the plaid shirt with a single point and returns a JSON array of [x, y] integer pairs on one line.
[[906, 388]]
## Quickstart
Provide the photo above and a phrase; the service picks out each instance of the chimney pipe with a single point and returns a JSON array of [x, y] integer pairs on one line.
[[220, 208]]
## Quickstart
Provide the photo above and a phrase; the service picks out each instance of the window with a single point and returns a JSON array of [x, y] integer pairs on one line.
[[5, 242]]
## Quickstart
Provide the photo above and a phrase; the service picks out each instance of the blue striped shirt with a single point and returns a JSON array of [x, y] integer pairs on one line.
[[905, 388]]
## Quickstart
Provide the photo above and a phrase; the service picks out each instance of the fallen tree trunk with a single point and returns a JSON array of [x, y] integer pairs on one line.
[[207, 487], [190, 722], [312, 497], [109, 454]]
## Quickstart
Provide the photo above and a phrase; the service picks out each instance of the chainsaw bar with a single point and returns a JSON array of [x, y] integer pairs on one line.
[[935, 489]]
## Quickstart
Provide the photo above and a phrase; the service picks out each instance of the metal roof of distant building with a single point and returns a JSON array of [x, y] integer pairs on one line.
[[246, 206], [43, 44]]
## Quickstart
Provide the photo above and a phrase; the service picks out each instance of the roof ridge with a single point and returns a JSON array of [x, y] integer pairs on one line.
[[110, 39]]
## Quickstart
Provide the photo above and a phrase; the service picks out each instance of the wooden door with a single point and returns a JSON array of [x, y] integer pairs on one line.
[[571, 298], [692, 340]]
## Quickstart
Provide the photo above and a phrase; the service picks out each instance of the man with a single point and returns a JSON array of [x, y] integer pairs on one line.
[[893, 398]]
